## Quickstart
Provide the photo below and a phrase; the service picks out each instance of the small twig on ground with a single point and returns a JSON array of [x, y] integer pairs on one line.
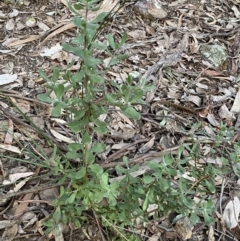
[[99, 227], [125, 148], [18, 95], [21, 122], [145, 157], [33, 190]]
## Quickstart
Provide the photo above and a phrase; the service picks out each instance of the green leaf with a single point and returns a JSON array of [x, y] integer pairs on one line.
[[72, 155], [55, 76], [98, 45], [92, 28], [91, 62], [98, 170], [79, 40], [100, 130], [125, 161], [77, 6], [71, 199], [110, 98], [124, 39], [132, 113], [72, 8], [99, 123], [207, 219], [78, 21], [90, 3], [148, 179], [89, 157], [45, 98], [75, 146], [147, 88], [56, 111], [171, 172], [210, 186], [164, 185], [78, 77], [98, 148], [80, 174], [113, 61], [121, 170], [73, 175], [100, 17], [76, 50], [79, 114], [145, 203], [236, 168], [194, 218], [44, 76], [86, 139], [138, 94], [96, 79], [59, 90], [126, 94], [62, 180], [104, 180], [112, 200], [111, 41], [57, 214], [168, 159], [122, 56], [153, 165], [78, 126]]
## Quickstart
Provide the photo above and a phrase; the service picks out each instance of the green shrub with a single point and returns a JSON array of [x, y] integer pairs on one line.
[[89, 189]]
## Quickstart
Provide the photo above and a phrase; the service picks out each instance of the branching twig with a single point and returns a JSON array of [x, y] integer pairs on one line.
[[33, 190], [124, 148], [145, 157]]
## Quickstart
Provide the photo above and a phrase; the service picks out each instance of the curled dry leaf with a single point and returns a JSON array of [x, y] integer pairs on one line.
[[146, 147], [43, 26], [218, 98], [211, 233], [212, 120], [231, 213], [10, 148], [7, 78], [6, 223], [16, 176], [14, 13], [10, 233], [10, 24], [236, 105], [195, 99], [184, 228], [28, 216], [9, 135], [48, 52], [226, 115], [61, 137], [205, 111], [31, 22], [57, 232], [31, 221]]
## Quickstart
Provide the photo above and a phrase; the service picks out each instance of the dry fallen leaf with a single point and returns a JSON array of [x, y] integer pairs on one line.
[[10, 148], [236, 105], [7, 78], [184, 228], [10, 233], [231, 213], [212, 120], [61, 137]]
